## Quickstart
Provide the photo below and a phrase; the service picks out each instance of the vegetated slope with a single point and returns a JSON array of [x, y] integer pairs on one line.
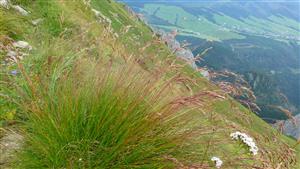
[[247, 37], [261, 68], [100, 90]]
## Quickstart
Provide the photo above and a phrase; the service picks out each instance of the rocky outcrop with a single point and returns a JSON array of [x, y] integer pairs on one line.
[[290, 127], [176, 47], [169, 38], [10, 143]]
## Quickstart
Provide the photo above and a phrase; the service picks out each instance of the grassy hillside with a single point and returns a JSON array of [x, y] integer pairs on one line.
[[99, 90], [246, 37]]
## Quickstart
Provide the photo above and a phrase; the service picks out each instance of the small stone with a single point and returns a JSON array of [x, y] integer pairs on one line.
[[20, 10], [11, 54], [97, 13], [22, 44], [100, 15], [10, 143], [36, 21], [4, 4]]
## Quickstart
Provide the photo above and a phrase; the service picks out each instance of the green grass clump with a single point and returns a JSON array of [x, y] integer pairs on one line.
[[10, 25], [95, 117]]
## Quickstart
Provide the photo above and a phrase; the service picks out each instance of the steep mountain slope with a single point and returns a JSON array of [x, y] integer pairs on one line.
[[247, 37], [76, 50]]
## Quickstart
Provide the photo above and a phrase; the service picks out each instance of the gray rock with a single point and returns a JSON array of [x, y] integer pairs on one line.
[[9, 145], [20, 10], [11, 54], [187, 55], [5, 4], [175, 46], [290, 127], [22, 44], [36, 21], [97, 13]]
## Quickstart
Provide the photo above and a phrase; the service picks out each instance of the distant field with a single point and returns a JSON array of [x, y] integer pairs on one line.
[[197, 24], [220, 26]]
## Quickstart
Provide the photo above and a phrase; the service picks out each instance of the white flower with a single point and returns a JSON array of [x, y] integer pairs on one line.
[[217, 161], [246, 140]]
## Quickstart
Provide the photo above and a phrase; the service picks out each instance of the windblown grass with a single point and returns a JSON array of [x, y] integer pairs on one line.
[[101, 115], [88, 99]]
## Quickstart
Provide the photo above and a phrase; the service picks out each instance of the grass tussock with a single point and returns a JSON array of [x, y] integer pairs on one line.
[[101, 115]]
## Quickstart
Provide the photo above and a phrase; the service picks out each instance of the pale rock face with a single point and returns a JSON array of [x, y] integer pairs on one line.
[[22, 44], [175, 46], [187, 55], [4, 4], [10, 144], [20, 10], [290, 127]]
